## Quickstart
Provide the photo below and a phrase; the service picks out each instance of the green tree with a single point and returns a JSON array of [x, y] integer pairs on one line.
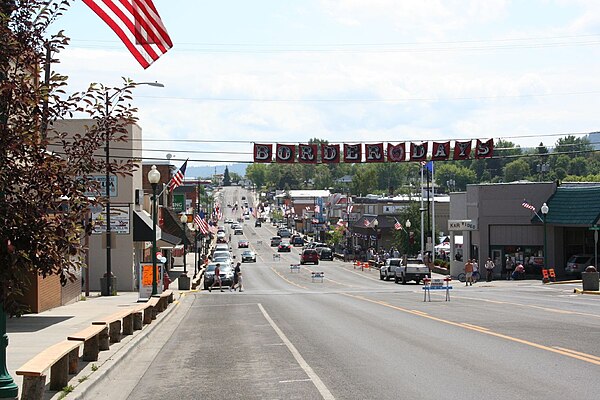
[[516, 170], [572, 144], [578, 166], [226, 177], [461, 176], [364, 180], [257, 173], [46, 175]]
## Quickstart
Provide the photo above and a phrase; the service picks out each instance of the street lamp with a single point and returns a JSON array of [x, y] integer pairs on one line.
[[544, 209], [184, 221], [108, 173], [407, 224], [154, 178], [375, 225]]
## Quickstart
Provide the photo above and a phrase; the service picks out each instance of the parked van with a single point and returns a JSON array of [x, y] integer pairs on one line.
[[578, 263]]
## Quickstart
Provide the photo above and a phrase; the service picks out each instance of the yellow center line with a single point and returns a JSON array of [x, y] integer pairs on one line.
[[577, 352], [475, 326], [287, 280], [567, 353]]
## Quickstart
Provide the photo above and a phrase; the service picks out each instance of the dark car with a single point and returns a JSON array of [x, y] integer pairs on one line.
[[309, 256], [297, 241], [284, 246], [325, 253], [226, 274], [257, 223], [284, 233]]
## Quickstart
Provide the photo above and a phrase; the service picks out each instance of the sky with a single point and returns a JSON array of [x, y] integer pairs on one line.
[[351, 71]]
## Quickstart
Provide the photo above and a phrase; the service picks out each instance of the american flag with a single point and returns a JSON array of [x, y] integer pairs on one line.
[[528, 206], [349, 208], [177, 179], [317, 209], [137, 24], [201, 224], [367, 223], [397, 225]]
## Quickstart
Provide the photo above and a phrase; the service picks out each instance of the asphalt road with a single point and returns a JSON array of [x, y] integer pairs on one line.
[[353, 336]]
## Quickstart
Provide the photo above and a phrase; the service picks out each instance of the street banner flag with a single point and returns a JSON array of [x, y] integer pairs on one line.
[[137, 24], [177, 179], [367, 223]]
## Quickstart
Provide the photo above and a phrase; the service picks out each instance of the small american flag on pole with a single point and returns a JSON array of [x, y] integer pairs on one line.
[[397, 225], [367, 223], [201, 224], [527, 205], [177, 179]]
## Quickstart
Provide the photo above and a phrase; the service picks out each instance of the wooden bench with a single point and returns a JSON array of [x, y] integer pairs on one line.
[[90, 337], [114, 322], [164, 298], [153, 307], [62, 359]]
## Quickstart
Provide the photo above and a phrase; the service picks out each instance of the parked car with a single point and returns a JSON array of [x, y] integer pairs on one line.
[[222, 247], [388, 269], [576, 264], [243, 244], [257, 224], [414, 270], [275, 241], [238, 231], [284, 247], [325, 253], [221, 237], [309, 256], [248, 256], [297, 241], [226, 274]]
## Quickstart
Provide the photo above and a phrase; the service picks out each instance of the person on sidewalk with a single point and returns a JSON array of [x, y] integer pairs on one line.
[[489, 269], [217, 278], [468, 273]]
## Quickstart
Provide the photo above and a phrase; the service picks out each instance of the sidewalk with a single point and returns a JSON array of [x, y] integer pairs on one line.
[[32, 333]]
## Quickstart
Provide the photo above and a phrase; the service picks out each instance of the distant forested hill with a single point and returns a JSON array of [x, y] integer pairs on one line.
[[208, 171]]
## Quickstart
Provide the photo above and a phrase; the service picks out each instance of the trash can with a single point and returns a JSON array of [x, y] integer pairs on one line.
[[184, 282], [590, 279], [113, 286]]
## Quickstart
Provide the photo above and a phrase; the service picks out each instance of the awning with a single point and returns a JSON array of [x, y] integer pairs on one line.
[[142, 227], [167, 241], [572, 206]]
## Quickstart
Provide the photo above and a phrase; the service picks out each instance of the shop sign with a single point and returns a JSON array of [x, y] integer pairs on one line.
[[462, 225]]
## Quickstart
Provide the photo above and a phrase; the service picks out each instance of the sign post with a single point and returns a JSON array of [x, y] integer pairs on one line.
[[595, 228]]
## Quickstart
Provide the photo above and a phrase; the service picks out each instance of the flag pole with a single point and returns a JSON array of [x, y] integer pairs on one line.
[[422, 210], [432, 211]]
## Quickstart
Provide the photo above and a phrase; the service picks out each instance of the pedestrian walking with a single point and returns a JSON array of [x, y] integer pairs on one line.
[[237, 278], [468, 273], [489, 269], [217, 278], [510, 265]]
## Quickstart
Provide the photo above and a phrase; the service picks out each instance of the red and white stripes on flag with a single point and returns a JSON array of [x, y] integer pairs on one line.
[[528, 206], [177, 179], [201, 224], [317, 209], [367, 223], [397, 225], [137, 24]]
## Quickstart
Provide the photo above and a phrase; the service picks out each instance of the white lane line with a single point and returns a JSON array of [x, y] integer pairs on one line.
[[325, 393], [295, 380]]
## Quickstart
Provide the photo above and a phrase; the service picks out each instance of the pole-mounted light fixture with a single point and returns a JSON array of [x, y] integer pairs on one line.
[[154, 179]]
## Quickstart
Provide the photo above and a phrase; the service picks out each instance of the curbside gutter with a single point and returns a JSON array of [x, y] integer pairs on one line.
[[581, 291]]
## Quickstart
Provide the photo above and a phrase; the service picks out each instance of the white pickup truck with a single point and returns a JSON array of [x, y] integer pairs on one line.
[[415, 270]]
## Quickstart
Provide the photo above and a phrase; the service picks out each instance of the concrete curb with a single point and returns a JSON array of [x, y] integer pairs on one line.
[[119, 356], [581, 291], [562, 282]]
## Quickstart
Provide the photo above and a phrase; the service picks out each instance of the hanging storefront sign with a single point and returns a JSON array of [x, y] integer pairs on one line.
[[373, 152]]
